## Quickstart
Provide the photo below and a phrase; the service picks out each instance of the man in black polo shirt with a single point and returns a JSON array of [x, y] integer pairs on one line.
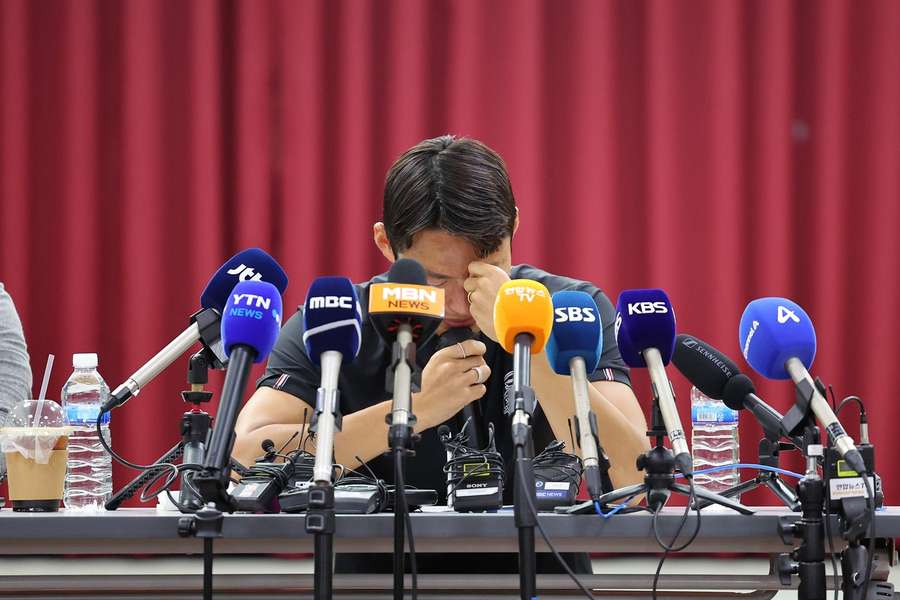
[[447, 204]]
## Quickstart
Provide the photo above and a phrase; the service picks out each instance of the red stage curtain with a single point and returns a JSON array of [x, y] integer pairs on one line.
[[720, 150]]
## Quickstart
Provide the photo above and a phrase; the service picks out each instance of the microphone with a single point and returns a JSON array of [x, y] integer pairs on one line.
[[470, 413], [574, 348], [404, 311], [523, 318], [248, 265], [645, 333], [779, 342], [719, 378], [332, 333], [251, 321]]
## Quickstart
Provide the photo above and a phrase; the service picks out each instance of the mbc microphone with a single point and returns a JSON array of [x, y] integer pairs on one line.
[[470, 413], [404, 311], [778, 340], [252, 264], [645, 333], [251, 321], [574, 349], [332, 333], [718, 377]]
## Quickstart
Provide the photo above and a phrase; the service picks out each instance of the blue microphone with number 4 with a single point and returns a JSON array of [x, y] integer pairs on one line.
[[778, 340]]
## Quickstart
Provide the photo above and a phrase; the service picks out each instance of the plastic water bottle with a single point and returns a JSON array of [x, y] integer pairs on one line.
[[714, 442], [89, 470]]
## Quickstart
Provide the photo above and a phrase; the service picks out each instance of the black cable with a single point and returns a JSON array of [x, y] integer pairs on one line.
[[554, 459], [400, 504], [870, 502], [488, 462], [830, 541], [550, 545], [667, 548], [859, 403]]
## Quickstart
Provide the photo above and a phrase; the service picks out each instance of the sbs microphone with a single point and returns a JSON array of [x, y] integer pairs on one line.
[[574, 348], [471, 412], [778, 340], [332, 333], [645, 334], [718, 377], [252, 264], [251, 321]]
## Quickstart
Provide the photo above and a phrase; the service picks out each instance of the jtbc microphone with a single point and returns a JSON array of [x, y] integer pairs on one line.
[[252, 264], [718, 377], [250, 324], [470, 413], [645, 333], [778, 340], [404, 311], [574, 349], [331, 334]]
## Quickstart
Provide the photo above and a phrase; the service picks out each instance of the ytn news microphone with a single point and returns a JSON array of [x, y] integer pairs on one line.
[[251, 320], [332, 334], [718, 377], [645, 334], [523, 319], [252, 264], [778, 340], [574, 348]]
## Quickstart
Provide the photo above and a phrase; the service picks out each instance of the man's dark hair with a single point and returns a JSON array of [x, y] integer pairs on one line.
[[457, 185]]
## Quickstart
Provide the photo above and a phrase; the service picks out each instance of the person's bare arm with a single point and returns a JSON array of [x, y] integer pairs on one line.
[[620, 421], [447, 385]]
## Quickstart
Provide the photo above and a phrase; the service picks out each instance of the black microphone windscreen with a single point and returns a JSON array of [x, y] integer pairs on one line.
[[736, 389], [703, 365], [454, 336], [407, 270], [444, 433], [268, 445]]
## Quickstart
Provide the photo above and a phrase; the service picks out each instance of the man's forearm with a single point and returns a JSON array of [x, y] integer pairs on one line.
[[621, 439]]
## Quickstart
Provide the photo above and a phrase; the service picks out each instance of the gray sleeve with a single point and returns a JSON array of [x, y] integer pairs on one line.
[[15, 371]]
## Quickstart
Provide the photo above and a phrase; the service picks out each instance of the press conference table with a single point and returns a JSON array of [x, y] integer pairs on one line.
[[56, 537]]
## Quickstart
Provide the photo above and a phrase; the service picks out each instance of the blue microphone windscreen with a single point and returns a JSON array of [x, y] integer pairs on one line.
[[772, 331], [644, 319], [251, 264], [252, 317], [332, 319], [577, 331]]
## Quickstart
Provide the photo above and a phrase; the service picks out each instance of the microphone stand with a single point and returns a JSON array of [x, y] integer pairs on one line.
[[212, 482], [658, 465], [400, 438], [320, 521], [808, 559], [769, 450], [523, 444]]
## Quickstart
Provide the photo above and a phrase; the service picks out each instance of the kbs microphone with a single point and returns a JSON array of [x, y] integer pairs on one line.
[[574, 349], [719, 378], [523, 319], [471, 412], [778, 340], [404, 311], [252, 264], [645, 333], [251, 321], [332, 334]]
